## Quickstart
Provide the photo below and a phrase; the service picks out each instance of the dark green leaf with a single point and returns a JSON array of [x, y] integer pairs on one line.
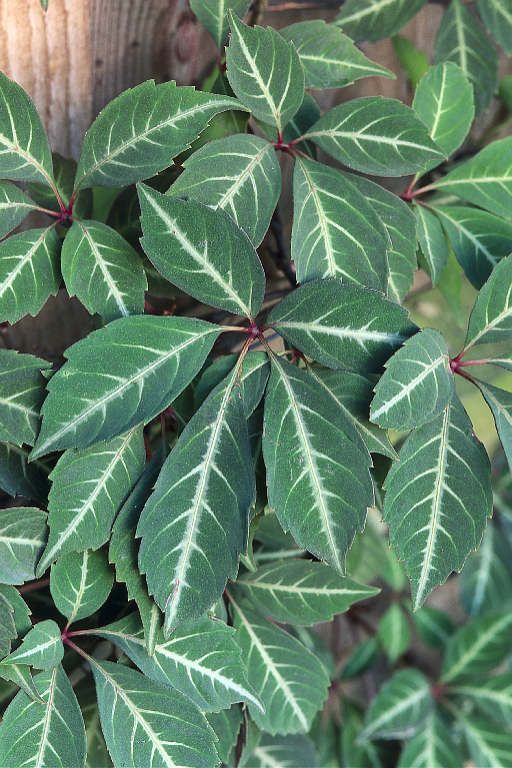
[[22, 392], [375, 19], [432, 242], [22, 540], [18, 477], [500, 403], [433, 626], [477, 647], [226, 725], [486, 579], [283, 752], [14, 207], [487, 744], [80, 583], [432, 747], [400, 707], [493, 697], [497, 17], [213, 14], [491, 317], [21, 676], [41, 647]]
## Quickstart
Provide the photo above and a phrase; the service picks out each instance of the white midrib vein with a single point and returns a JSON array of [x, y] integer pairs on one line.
[[439, 111], [435, 511], [495, 321], [329, 250], [470, 236], [271, 667], [36, 649], [484, 568], [196, 255], [81, 588], [257, 76], [389, 714], [273, 587], [112, 287], [22, 263], [360, 135], [474, 649], [47, 719], [368, 11], [498, 697], [358, 334], [404, 392], [254, 161], [461, 38]]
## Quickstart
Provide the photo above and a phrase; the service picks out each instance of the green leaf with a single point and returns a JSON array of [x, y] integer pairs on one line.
[[97, 753], [497, 17], [18, 477], [318, 476], [22, 385], [375, 135], [29, 272], [265, 72], [432, 747], [103, 270], [433, 626], [330, 58], [444, 102], [240, 174], [376, 19], [202, 251], [400, 225], [301, 592], [438, 496], [364, 754], [48, 734], [478, 238], [400, 708], [500, 403], [477, 647], [290, 680], [139, 133], [226, 726], [336, 232], [462, 39], [413, 61], [14, 207], [88, 488], [393, 633], [64, 171], [360, 659], [25, 154], [22, 540], [80, 583], [283, 752], [201, 659], [487, 744], [341, 326], [486, 579], [417, 384], [491, 316], [18, 607], [145, 724], [493, 697], [41, 647], [253, 378], [120, 376], [432, 242], [189, 550], [21, 676], [484, 180], [213, 14], [8, 631]]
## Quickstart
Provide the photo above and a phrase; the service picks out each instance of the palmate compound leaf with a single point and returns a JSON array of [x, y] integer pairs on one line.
[[417, 384], [301, 591], [188, 550], [491, 317], [400, 707], [41, 647], [478, 647], [290, 680], [376, 135], [375, 19], [444, 102], [80, 583], [201, 659], [49, 734], [329, 58], [202, 251], [484, 180], [22, 538], [88, 488], [336, 232], [438, 497], [140, 132], [25, 154], [22, 392], [240, 174], [29, 272], [462, 39], [146, 724], [265, 72], [497, 17], [432, 747], [14, 207], [103, 270], [120, 376], [342, 326], [213, 14], [318, 477]]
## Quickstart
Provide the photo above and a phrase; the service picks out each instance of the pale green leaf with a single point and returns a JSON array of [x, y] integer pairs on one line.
[[202, 251], [301, 591], [265, 72], [29, 272], [342, 326], [120, 376], [400, 708], [145, 724], [103, 270], [393, 633], [478, 647], [241, 175], [226, 725], [25, 154], [497, 17], [488, 745], [33, 735], [18, 607], [375, 19], [336, 232], [432, 242], [491, 317], [80, 583], [22, 384], [290, 680], [438, 496], [462, 39], [493, 697], [18, 477], [432, 747], [140, 132], [8, 631], [413, 60], [330, 58], [21, 676], [375, 135], [14, 207], [213, 14], [416, 385], [88, 488], [444, 102], [97, 753], [22, 539], [41, 647], [283, 752]]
